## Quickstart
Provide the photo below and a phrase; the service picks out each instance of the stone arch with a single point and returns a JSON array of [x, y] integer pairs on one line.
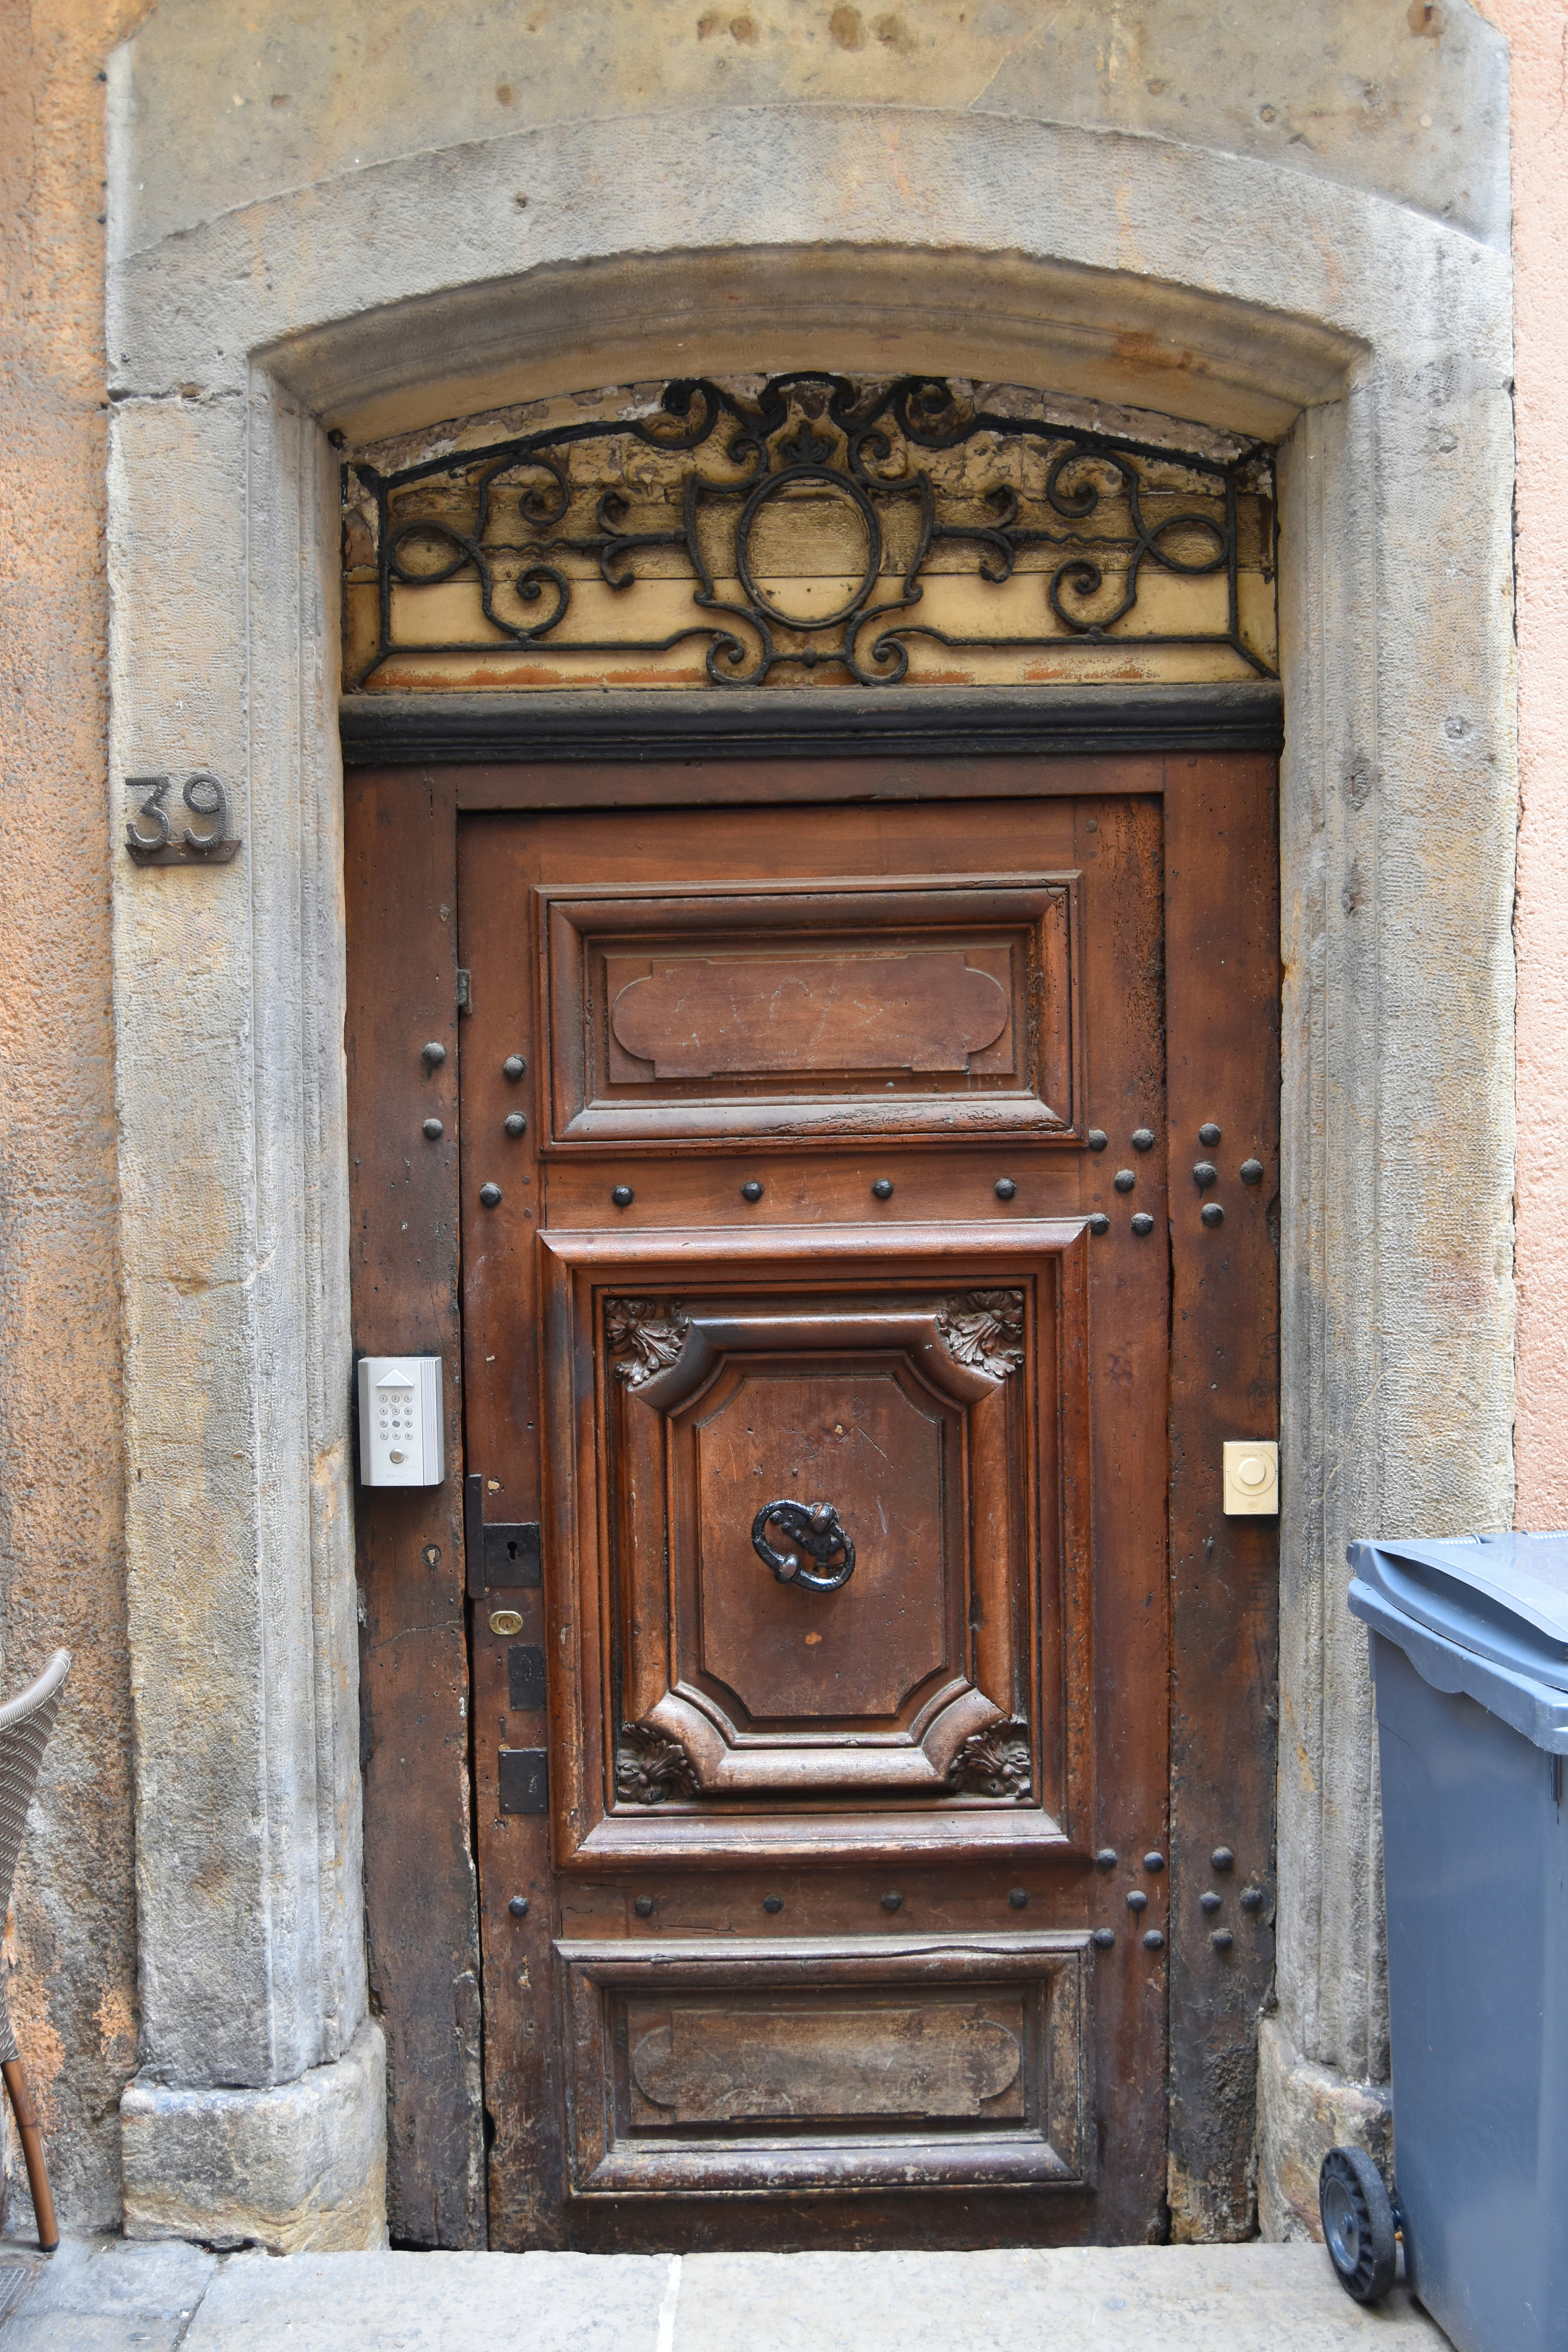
[[1368, 338]]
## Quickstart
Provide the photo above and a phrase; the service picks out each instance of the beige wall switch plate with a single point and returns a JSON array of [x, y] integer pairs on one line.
[[1251, 1477]]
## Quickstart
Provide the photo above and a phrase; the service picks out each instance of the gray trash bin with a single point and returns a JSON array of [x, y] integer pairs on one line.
[[1470, 1658]]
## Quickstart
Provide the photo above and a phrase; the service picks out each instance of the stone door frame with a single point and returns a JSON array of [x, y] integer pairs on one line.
[[1371, 341]]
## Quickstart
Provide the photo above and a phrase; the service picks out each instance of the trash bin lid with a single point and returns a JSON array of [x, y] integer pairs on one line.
[[1502, 1597]]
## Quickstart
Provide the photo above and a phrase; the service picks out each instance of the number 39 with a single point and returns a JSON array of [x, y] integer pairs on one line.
[[203, 796]]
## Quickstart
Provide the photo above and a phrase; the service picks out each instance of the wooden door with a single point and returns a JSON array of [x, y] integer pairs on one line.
[[817, 1378], [819, 1908]]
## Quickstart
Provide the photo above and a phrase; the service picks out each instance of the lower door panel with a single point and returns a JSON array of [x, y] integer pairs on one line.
[[847, 2062]]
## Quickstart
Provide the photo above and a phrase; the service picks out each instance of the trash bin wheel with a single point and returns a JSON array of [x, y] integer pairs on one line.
[[1358, 2224]]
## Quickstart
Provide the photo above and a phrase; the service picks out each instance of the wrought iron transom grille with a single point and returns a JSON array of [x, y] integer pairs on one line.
[[892, 483]]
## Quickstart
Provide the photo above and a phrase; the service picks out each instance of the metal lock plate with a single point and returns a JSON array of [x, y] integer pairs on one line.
[[525, 1678], [522, 1778], [1251, 1477]]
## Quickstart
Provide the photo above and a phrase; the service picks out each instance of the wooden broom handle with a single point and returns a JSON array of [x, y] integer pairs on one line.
[[33, 2153]]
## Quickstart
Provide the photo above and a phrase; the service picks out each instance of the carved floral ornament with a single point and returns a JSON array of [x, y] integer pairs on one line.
[[994, 1762], [808, 521], [644, 1336], [984, 1330], [981, 1328], [650, 1767]]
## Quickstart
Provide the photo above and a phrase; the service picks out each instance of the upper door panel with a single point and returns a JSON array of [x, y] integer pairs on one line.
[[824, 1011]]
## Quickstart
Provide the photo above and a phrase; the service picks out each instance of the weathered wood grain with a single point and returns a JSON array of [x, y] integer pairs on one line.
[[420, 1892]]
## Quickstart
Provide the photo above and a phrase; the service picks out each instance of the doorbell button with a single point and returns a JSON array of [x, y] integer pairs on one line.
[[1250, 1475]]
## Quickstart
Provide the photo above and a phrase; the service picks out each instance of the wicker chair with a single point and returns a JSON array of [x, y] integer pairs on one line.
[[25, 1723]]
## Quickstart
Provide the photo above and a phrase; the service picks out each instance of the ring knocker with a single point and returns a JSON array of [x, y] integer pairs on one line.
[[814, 1529]]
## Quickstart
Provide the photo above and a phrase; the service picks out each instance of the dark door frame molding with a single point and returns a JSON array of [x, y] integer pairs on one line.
[[1049, 721]]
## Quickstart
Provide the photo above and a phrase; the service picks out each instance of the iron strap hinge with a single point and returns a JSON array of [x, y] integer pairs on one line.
[[502, 1555]]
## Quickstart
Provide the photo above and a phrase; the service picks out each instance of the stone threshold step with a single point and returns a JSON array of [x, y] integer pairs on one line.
[[104, 2295]]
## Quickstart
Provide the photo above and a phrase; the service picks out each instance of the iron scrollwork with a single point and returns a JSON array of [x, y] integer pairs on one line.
[[914, 467], [815, 1530]]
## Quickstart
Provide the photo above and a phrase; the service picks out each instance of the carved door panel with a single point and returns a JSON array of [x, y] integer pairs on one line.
[[817, 1383]]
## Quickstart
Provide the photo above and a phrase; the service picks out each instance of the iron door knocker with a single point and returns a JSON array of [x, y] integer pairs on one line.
[[815, 1528]]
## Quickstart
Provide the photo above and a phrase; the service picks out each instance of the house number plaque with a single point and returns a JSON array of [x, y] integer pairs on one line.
[[150, 837]]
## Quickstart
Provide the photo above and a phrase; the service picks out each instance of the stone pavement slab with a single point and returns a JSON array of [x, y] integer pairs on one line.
[[174, 2298], [1251, 2298], [95, 2292], [432, 2302]]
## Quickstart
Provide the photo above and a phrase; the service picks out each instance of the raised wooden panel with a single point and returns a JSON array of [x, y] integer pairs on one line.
[[722, 1396], [866, 1434], [762, 2059], [820, 1010], [933, 1010], [809, 1393], [839, 2062]]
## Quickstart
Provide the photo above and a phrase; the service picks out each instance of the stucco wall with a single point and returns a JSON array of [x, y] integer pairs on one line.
[[1537, 31], [70, 1970]]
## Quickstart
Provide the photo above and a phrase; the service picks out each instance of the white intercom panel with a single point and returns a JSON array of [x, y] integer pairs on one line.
[[400, 1421]]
